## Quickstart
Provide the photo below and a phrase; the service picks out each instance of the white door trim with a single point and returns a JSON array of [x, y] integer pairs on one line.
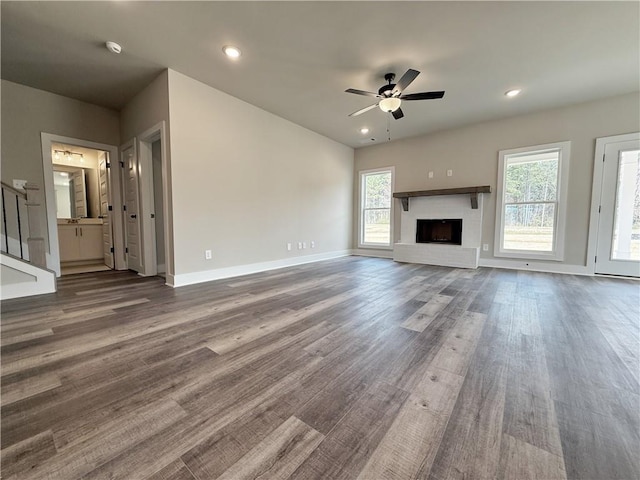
[[125, 176], [53, 255], [144, 141], [596, 193]]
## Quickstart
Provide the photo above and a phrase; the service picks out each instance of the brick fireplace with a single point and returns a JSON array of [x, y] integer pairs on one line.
[[440, 217]]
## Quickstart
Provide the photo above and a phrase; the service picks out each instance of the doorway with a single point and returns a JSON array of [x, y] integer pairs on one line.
[[144, 175], [618, 220], [83, 203]]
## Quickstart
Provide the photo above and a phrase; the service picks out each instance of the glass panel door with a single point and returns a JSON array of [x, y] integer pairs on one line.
[[619, 225], [626, 225]]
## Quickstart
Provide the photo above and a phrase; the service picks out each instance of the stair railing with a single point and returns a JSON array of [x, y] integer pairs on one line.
[[21, 219]]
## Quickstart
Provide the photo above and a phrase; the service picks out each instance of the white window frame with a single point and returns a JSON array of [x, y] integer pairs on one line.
[[557, 252], [362, 174]]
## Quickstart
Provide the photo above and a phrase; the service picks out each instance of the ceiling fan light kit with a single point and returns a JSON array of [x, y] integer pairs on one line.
[[390, 104], [391, 97]]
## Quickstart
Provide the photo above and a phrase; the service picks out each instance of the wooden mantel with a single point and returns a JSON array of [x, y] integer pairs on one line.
[[472, 191]]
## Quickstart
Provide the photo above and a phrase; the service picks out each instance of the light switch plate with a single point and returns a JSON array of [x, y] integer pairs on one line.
[[430, 174], [449, 173], [19, 184]]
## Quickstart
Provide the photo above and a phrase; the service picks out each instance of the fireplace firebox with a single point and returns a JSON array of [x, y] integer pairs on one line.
[[447, 231]]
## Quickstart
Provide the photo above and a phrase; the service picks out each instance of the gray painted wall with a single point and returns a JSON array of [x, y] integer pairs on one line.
[[246, 182], [472, 153], [26, 112]]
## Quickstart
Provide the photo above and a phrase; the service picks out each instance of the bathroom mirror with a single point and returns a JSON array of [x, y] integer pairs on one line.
[[72, 187]]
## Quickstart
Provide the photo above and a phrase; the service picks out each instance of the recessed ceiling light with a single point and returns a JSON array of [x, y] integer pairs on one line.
[[113, 47], [231, 51], [364, 130], [513, 93]]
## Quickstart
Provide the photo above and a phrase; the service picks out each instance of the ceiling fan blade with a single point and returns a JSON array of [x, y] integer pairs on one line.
[[397, 114], [404, 82], [365, 109], [423, 96], [361, 92]]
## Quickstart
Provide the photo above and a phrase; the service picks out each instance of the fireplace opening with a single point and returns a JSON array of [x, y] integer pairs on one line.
[[447, 231]]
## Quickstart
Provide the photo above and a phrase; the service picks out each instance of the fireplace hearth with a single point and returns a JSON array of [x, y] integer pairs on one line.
[[446, 231]]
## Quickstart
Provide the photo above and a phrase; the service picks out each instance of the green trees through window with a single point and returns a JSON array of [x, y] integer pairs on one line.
[[530, 201], [376, 208], [531, 207]]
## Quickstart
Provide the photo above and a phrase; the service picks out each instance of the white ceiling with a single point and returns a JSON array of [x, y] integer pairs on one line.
[[299, 57]]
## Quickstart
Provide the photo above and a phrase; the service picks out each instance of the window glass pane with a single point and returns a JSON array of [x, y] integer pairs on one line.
[[377, 190], [626, 231], [377, 226], [531, 178], [529, 227]]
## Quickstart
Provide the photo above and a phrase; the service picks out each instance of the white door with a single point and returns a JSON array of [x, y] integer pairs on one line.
[[105, 201], [79, 194], [618, 250], [132, 204]]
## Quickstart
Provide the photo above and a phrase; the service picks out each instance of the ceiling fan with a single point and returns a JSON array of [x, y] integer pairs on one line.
[[391, 95]]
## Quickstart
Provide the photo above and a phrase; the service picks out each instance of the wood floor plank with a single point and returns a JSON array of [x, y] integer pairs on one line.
[[346, 449], [522, 461], [458, 347], [414, 437], [151, 455], [107, 442], [325, 409], [29, 387], [8, 339], [278, 455], [26, 455], [217, 453], [470, 444], [597, 446], [174, 471], [73, 415], [425, 315]]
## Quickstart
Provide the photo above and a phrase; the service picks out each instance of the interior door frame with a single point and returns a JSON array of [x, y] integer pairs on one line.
[[147, 203], [143, 151], [596, 193], [53, 254]]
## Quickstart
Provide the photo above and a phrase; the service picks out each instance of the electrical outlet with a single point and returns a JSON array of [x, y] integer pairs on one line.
[[313, 244], [289, 247], [299, 245], [485, 247], [430, 174], [304, 245], [207, 255], [449, 173]]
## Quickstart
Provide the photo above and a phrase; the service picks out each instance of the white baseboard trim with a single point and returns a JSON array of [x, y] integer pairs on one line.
[[361, 252], [40, 281], [219, 273], [534, 266]]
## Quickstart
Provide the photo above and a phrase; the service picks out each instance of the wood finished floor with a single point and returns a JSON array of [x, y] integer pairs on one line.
[[355, 368]]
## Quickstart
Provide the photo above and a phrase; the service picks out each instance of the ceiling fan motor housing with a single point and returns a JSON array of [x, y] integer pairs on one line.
[[387, 90]]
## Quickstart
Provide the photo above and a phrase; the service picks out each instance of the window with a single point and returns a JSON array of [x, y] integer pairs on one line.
[[532, 192], [376, 193]]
